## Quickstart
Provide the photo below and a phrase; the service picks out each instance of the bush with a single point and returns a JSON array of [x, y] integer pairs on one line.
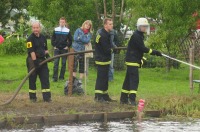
[[13, 46]]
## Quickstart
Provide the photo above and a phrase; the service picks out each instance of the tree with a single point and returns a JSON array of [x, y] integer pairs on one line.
[[6, 6], [173, 20], [75, 11]]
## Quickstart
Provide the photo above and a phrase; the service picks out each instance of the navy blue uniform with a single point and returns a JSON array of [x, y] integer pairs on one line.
[[134, 56], [102, 60], [38, 45]]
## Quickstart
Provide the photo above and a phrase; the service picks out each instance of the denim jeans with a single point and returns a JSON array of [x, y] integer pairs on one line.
[[56, 64], [111, 68]]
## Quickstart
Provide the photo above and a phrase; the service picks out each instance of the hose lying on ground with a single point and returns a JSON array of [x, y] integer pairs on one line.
[[45, 61]]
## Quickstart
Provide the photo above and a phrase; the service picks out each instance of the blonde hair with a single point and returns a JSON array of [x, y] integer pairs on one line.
[[88, 22]]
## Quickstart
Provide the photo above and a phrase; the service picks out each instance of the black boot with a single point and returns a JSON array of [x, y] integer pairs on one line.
[[33, 97], [124, 98], [47, 96], [100, 98], [132, 99], [107, 98]]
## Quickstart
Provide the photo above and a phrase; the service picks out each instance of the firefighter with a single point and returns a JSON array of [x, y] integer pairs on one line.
[[133, 60], [38, 52], [103, 59]]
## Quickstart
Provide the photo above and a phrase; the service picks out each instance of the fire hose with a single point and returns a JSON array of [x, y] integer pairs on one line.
[[74, 53], [181, 61], [45, 61]]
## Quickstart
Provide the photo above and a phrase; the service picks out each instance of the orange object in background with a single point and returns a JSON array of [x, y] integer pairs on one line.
[[195, 14], [1, 39], [198, 24]]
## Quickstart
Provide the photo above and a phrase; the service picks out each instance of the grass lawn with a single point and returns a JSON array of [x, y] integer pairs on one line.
[[153, 81], [161, 90]]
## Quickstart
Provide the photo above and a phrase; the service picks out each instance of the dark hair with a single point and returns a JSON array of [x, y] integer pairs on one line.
[[106, 20]]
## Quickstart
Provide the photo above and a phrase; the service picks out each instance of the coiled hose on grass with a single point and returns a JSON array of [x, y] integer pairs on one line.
[[45, 61]]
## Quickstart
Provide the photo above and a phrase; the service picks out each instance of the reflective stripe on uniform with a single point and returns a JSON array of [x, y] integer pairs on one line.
[[32, 91], [132, 64], [142, 62], [125, 91], [45, 90], [101, 92], [132, 91], [150, 51], [129, 92], [144, 58], [102, 63]]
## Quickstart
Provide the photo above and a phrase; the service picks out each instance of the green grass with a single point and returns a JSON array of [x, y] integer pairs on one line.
[[162, 90], [153, 81]]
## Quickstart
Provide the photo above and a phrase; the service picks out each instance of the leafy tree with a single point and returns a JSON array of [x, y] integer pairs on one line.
[[173, 20], [6, 6], [75, 11]]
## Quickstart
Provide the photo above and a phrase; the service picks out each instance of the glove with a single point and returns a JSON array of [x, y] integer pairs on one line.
[[155, 52], [36, 64]]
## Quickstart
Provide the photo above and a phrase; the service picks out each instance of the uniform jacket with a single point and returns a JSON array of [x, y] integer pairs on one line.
[[80, 39], [136, 49], [37, 45], [61, 38], [103, 47]]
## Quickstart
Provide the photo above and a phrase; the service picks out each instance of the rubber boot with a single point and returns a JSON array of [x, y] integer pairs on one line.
[[33, 97], [100, 98], [107, 98], [124, 98], [132, 99], [47, 96]]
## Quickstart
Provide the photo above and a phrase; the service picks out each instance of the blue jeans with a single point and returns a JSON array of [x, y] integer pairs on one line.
[[111, 68], [56, 64]]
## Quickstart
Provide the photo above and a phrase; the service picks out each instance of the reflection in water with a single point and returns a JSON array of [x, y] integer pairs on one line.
[[121, 126]]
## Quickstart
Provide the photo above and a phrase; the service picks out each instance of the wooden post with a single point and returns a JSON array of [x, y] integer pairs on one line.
[[191, 61], [105, 118], [70, 69]]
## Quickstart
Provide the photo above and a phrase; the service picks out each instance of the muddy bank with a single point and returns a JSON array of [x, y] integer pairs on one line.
[[59, 105]]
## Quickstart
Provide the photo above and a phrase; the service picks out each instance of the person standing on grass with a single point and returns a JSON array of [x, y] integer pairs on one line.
[[38, 52], [82, 38], [103, 51], [133, 60], [61, 41], [114, 43]]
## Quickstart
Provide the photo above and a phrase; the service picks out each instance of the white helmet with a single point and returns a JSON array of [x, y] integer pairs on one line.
[[142, 22]]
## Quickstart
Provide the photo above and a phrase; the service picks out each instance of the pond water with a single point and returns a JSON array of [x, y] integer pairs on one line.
[[121, 126]]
